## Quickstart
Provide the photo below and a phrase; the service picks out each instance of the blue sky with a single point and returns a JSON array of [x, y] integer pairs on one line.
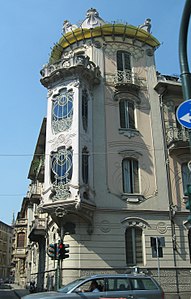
[[28, 31]]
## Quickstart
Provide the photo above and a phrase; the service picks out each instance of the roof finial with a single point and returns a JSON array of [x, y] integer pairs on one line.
[[92, 20], [146, 26]]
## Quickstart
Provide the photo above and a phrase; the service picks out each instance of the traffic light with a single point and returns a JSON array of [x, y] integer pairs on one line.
[[188, 203], [63, 251], [52, 250]]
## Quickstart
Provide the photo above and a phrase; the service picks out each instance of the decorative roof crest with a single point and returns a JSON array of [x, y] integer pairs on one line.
[[92, 20]]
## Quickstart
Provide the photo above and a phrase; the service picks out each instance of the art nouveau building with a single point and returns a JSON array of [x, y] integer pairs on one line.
[[115, 165]]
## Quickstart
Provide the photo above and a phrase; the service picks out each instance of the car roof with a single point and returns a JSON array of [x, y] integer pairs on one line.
[[127, 275]]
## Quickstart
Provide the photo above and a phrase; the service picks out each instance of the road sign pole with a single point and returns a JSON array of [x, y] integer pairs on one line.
[[158, 260]]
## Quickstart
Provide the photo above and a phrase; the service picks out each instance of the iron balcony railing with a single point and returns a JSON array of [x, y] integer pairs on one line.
[[126, 77]]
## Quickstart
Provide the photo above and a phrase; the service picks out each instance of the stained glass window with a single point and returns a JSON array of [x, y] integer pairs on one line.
[[61, 166], [62, 111]]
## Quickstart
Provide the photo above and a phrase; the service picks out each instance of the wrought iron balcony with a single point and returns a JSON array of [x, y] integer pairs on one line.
[[37, 229], [127, 78], [176, 136]]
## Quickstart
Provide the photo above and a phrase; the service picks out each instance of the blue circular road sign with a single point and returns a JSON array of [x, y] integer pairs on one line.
[[183, 114]]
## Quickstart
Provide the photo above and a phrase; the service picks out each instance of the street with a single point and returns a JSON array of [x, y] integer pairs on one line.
[[7, 294]]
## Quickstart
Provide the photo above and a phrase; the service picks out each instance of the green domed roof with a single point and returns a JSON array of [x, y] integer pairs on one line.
[[93, 27]]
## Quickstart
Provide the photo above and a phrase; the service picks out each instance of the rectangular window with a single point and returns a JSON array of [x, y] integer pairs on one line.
[[130, 176], [127, 120], [134, 250], [186, 176], [123, 61]]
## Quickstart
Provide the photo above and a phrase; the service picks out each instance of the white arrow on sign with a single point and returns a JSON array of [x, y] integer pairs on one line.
[[186, 118]]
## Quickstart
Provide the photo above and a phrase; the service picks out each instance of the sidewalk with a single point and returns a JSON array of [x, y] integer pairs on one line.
[[19, 291]]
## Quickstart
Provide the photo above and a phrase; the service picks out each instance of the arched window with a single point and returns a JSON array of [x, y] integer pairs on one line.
[[61, 166], [130, 175], [85, 166], [133, 246], [21, 240], [126, 110], [85, 109], [186, 176]]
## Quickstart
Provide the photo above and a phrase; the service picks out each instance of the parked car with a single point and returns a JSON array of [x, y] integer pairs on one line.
[[136, 286]]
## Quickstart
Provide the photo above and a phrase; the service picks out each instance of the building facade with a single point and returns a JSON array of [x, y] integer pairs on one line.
[[114, 168], [6, 233]]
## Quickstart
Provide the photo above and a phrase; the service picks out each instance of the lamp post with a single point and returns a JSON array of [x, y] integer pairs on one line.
[[183, 58], [186, 88]]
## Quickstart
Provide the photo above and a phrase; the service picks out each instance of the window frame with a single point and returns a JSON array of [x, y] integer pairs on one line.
[[127, 114], [134, 259], [186, 176], [131, 184]]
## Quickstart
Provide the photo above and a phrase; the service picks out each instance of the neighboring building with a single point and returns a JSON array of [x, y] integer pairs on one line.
[[115, 167], [20, 244], [6, 234]]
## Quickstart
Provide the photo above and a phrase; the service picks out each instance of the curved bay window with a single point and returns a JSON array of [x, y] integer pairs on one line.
[[61, 166], [85, 109], [127, 118], [62, 111], [130, 175], [133, 246], [85, 166]]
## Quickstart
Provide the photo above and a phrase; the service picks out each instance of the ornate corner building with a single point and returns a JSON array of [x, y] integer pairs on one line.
[[110, 165]]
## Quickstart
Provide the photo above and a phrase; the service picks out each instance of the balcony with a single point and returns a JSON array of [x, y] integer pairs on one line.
[[21, 222], [37, 229], [78, 65], [35, 192], [19, 253], [176, 137], [127, 79]]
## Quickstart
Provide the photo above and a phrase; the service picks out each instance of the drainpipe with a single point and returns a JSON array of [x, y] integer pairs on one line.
[[171, 210]]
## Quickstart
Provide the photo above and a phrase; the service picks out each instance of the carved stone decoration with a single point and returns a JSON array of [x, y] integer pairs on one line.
[[62, 139], [161, 227], [112, 49], [59, 192], [92, 19], [129, 132], [105, 226], [135, 221]]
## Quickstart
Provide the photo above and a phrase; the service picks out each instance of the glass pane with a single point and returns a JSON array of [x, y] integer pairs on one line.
[[131, 115], [186, 176], [135, 177], [134, 250], [122, 114], [119, 61], [126, 176]]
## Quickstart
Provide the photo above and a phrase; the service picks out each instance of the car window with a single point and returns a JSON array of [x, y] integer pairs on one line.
[[142, 284], [70, 286], [149, 284], [118, 284], [98, 286]]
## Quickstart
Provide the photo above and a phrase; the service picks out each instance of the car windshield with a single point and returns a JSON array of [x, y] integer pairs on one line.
[[71, 285]]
